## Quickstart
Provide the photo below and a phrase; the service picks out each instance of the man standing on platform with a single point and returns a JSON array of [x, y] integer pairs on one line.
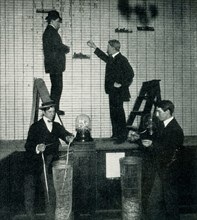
[[42, 147], [166, 147], [54, 56], [118, 77]]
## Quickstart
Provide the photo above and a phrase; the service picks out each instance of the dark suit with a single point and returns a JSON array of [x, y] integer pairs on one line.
[[120, 71], [163, 201], [54, 60], [38, 134]]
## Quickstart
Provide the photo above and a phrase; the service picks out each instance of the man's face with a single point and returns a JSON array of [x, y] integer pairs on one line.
[[50, 113], [161, 114], [110, 49], [56, 23]]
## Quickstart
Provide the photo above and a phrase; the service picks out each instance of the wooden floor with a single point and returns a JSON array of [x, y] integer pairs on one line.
[[101, 217]]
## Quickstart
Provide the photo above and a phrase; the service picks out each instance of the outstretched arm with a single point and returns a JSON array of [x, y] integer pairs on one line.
[[103, 56], [91, 44], [64, 134]]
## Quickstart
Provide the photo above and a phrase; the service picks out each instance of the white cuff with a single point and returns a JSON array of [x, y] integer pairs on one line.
[[37, 151]]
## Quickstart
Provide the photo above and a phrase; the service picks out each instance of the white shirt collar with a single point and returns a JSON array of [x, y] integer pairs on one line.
[[113, 55], [46, 120], [167, 121], [48, 123], [52, 26]]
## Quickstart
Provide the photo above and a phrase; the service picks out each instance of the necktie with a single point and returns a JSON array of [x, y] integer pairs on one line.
[[161, 127]]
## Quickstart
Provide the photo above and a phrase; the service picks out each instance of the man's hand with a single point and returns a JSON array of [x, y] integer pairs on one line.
[[117, 85], [146, 142], [70, 138], [91, 44], [40, 148], [67, 49]]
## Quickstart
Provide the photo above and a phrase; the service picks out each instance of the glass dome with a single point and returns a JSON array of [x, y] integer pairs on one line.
[[83, 122], [83, 128]]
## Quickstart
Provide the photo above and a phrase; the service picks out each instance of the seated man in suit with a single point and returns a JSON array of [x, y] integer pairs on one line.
[[43, 141], [166, 147]]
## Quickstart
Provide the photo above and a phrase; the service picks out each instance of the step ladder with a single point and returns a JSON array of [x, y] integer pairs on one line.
[[40, 92], [149, 95]]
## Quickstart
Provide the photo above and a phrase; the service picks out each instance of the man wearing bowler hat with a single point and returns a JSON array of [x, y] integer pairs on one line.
[[54, 56], [43, 142]]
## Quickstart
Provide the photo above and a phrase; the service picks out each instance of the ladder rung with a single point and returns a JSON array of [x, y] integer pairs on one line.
[[143, 96], [137, 112], [130, 127]]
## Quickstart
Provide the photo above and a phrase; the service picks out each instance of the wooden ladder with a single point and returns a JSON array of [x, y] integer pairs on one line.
[[150, 94], [40, 91]]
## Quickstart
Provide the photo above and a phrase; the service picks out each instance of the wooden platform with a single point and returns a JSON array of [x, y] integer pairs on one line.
[[100, 217], [101, 144]]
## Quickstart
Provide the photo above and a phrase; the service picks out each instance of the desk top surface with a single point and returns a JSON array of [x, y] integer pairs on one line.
[[100, 144]]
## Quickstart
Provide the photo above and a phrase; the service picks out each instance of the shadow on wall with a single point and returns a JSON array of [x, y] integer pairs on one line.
[[144, 12], [12, 187], [188, 180]]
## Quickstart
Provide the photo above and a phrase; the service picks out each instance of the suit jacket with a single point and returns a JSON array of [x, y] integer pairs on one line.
[[167, 143], [117, 70], [38, 134], [54, 51]]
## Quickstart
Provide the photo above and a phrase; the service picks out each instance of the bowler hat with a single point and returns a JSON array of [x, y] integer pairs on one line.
[[53, 15], [47, 104]]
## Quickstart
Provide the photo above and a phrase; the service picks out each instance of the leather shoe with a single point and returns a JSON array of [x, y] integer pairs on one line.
[[113, 138], [60, 112]]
